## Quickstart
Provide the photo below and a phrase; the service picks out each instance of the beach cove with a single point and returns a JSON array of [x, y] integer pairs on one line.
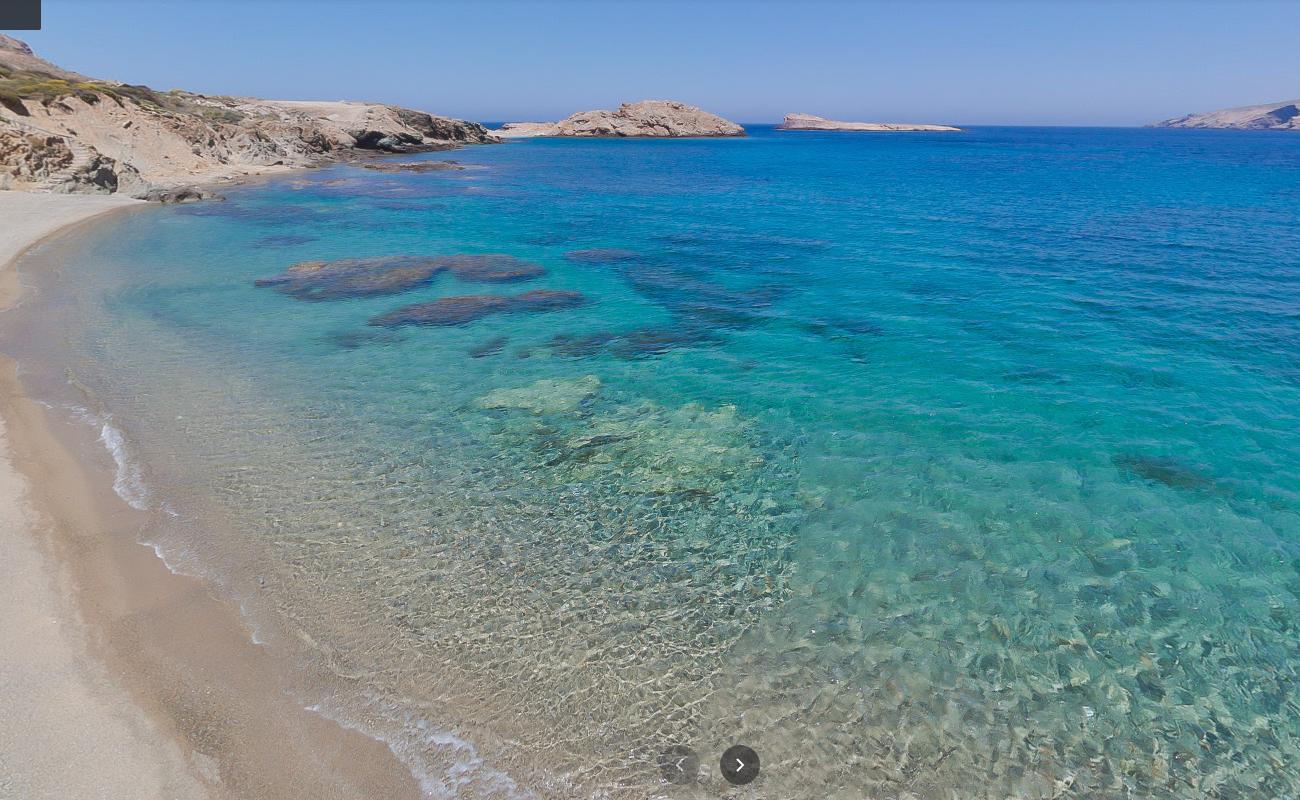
[[864, 451], [123, 678]]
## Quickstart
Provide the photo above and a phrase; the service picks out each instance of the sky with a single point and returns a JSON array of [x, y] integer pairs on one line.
[[1015, 62]]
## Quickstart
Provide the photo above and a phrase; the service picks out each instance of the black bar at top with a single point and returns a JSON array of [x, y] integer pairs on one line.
[[20, 15]]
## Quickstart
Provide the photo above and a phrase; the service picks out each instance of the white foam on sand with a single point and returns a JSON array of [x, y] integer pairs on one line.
[[128, 478], [462, 772]]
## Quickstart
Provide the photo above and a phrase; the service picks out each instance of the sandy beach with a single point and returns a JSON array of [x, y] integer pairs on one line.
[[121, 678]]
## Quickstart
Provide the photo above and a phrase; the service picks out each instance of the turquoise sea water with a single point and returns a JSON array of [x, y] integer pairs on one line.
[[929, 466]]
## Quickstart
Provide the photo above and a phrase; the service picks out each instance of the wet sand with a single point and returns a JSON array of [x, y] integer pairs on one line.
[[121, 678]]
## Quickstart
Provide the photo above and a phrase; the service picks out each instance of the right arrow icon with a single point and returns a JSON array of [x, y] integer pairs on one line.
[[739, 765]]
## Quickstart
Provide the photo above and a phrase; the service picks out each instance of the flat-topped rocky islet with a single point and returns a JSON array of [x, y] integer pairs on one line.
[[811, 122]]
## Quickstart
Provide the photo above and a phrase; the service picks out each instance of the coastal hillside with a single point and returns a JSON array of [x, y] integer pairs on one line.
[[64, 132], [648, 118], [1282, 116]]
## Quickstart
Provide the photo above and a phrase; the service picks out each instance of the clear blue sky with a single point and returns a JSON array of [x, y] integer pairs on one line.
[[1088, 62]]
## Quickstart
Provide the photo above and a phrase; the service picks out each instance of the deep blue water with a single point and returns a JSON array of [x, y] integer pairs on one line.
[[928, 465]]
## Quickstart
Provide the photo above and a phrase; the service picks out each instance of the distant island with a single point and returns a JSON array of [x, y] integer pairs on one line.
[[811, 122], [648, 118], [64, 132], [1282, 116]]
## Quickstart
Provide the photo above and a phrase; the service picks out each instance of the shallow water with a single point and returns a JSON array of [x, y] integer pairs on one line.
[[928, 466]]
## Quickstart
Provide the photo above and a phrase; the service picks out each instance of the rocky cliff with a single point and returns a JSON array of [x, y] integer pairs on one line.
[[810, 122], [64, 132], [648, 118], [1283, 116]]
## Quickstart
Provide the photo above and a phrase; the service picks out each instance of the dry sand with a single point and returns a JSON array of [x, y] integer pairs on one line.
[[120, 679]]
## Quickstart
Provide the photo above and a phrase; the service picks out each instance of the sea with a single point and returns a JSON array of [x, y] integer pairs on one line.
[[926, 465]]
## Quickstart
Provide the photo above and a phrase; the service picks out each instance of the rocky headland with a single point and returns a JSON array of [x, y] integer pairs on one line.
[[648, 118], [1282, 116], [811, 122], [61, 131]]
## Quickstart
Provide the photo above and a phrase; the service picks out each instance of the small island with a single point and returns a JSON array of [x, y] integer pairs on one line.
[[1281, 116], [648, 118], [811, 122]]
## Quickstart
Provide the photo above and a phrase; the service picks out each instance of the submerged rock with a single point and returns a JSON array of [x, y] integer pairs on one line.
[[579, 345], [1166, 471], [546, 396], [637, 343], [491, 268], [369, 277], [650, 449], [654, 341], [467, 308], [446, 311], [491, 347], [353, 277], [548, 300]]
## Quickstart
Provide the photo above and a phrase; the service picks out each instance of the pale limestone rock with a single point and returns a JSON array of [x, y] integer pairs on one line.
[[546, 396], [810, 122], [1282, 116], [648, 118]]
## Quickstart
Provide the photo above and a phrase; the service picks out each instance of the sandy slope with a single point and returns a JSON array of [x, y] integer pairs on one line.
[[119, 679], [66, 730]]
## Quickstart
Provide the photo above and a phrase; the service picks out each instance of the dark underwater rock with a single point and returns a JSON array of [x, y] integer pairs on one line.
[[491, 268], [371, 277], [467, 308], [1165, 471], [547, 300], [647, 342], [655, 341], [446, 311], [491, 347], [353, 277], [578, 346]]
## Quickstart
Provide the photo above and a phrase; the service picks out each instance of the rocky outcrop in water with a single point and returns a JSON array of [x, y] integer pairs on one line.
[[648, 118], [414, 166], [1283, 116], [64, 132], [178, 194], [810, 122]]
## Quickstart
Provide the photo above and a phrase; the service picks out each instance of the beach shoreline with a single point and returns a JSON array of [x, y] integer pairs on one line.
[[128, 679]]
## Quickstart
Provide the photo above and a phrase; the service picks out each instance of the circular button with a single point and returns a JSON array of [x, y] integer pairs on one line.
[[739, 765], [679, 764]]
